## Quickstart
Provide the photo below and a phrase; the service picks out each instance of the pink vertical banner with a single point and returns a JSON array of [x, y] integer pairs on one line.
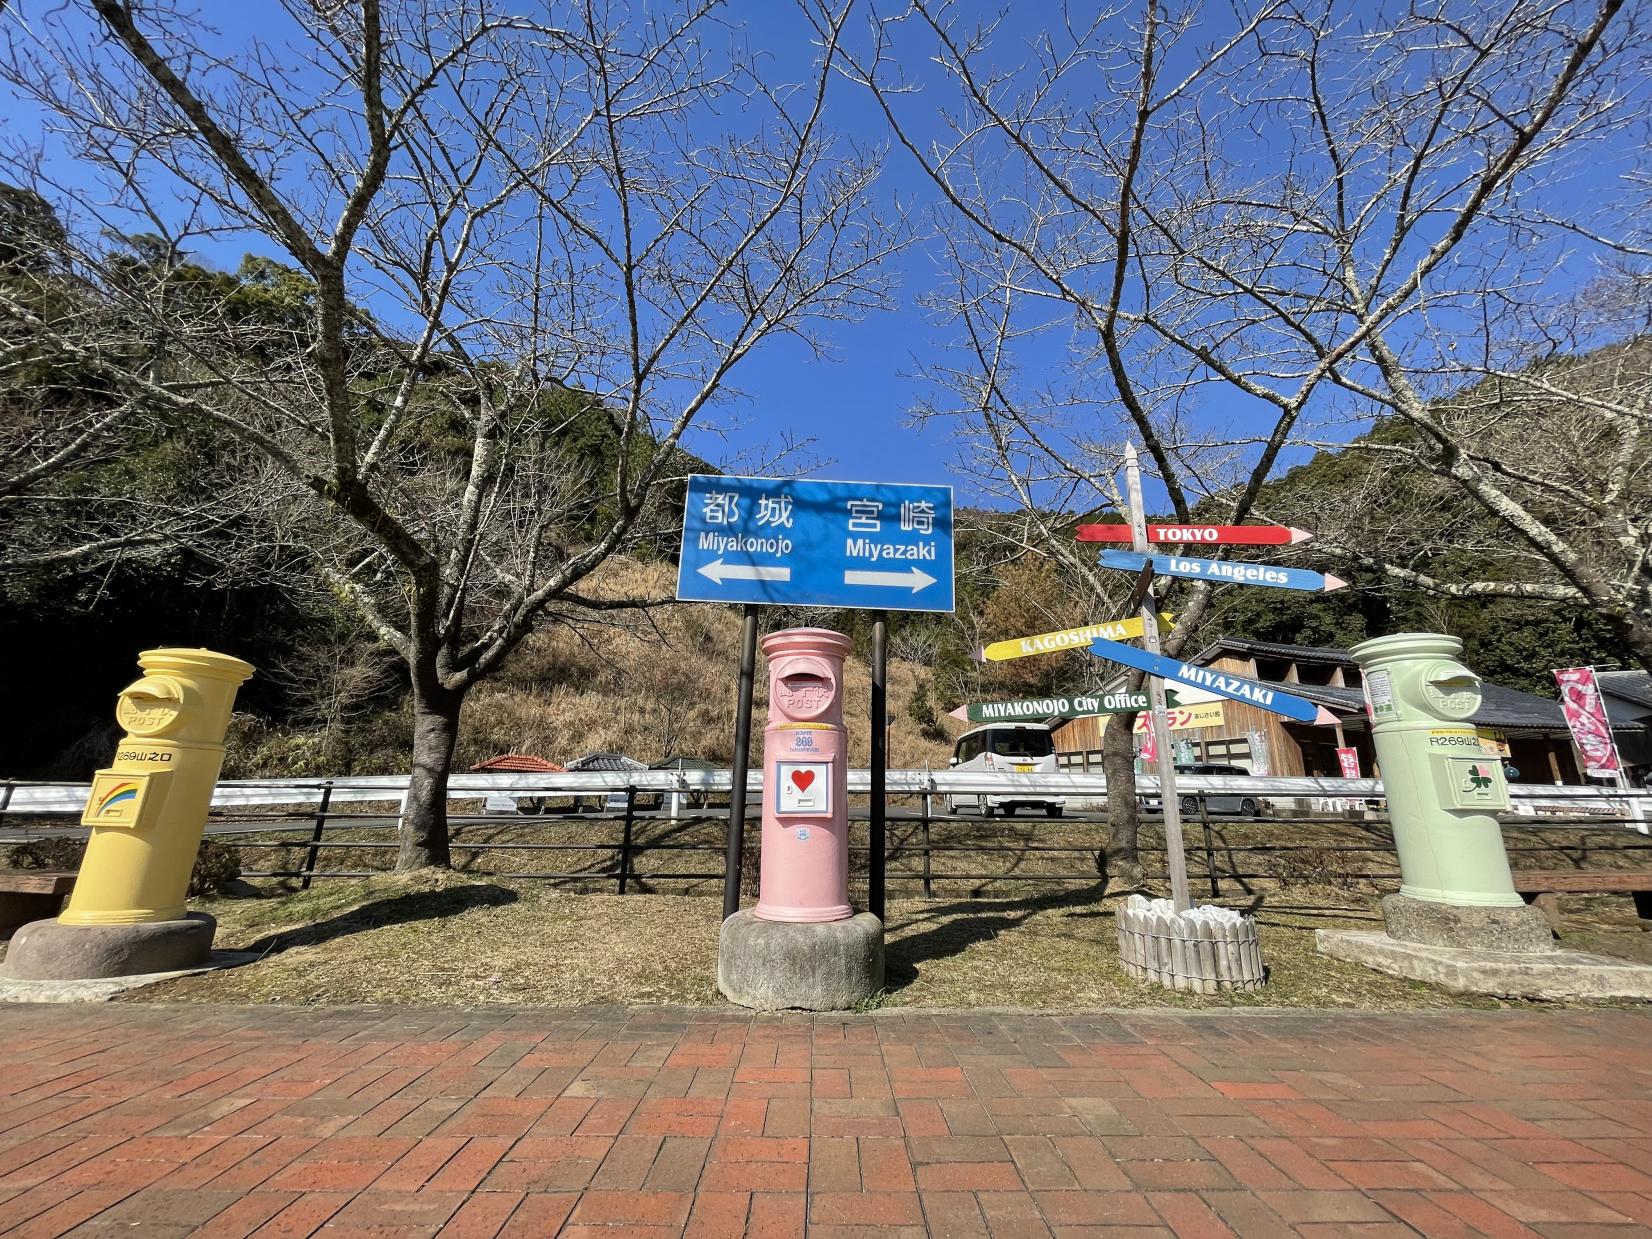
[[1149, 742], [1348, 759], [1585, 713]]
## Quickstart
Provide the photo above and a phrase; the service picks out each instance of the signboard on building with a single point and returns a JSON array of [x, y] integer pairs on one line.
[[1186, 718], [869, 545], [1585, 711]]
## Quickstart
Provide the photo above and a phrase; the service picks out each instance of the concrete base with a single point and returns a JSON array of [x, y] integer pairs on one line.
[[53, 951], [1551, 974], [105, 988], [823, 966], [1516, 929]]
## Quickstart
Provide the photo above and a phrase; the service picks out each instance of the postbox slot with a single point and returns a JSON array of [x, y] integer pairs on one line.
[[805, 692]]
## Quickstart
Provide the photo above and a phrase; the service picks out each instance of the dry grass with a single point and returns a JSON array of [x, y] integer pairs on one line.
[[453, 939], [651, 685]]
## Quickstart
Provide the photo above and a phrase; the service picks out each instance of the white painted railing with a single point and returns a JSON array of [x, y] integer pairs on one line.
[[1331, 795]]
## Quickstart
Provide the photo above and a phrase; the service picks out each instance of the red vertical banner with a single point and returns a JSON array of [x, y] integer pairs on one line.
[[1348, 759], [1149, 741], [1585, 712]]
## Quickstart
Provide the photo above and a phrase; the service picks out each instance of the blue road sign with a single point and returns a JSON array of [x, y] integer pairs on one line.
[[872, 545], [1223, 571], [1236, 688]]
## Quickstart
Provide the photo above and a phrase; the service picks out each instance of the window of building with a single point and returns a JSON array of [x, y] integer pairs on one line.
[[1228, 752]]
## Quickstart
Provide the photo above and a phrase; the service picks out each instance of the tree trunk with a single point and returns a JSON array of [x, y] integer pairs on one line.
[[424, 841], [1119, 862]]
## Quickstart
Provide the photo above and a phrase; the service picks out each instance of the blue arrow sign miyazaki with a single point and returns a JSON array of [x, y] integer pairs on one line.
[[1236, 688], [874, 545], [1223, 571]]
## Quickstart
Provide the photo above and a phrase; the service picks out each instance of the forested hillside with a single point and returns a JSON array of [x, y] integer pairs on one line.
[[332, 698]]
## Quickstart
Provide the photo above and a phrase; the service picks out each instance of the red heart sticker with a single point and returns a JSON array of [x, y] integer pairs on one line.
[[803, 778]]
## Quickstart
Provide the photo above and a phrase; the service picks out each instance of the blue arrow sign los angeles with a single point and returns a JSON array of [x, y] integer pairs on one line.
[[872, 545], [1236, 688], [1223, 571]]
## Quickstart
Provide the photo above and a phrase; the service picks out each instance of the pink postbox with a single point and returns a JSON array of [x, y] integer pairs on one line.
[[805, 861]]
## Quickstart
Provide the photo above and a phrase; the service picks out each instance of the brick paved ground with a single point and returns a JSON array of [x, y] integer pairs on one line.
[[286, 1122]]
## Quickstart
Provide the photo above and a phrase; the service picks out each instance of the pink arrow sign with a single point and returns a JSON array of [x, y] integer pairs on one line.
[[1208, 535]]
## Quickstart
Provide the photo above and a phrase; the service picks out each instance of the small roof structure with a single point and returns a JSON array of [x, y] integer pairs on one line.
[[606, 761], [684, 762], [516, 763]]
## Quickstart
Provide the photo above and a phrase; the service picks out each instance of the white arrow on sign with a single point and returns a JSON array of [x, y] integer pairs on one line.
[[718, 571], [913, 578]]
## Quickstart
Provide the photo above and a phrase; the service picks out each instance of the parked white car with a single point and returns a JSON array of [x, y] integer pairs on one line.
[[1018, 748]]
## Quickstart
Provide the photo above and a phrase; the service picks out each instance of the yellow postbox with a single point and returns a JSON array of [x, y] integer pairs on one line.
[[148, 809]]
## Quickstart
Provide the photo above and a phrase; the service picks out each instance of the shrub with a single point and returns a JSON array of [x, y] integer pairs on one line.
[[216, 864]]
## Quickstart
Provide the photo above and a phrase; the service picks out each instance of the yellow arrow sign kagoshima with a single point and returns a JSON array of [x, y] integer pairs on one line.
[[1066, 639]]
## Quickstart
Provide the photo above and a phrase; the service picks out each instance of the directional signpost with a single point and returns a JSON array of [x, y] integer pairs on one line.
[[1223, 571], [1065, 639], [1159, 668], [1224, 535], [1236, 688], [786, 541], [1037, 709]]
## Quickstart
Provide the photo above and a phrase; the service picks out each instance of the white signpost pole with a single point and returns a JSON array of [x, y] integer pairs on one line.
[[1168, 800]]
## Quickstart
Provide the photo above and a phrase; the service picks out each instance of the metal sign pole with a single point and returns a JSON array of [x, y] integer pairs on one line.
[[880, 760], [1168, 800], [742, 750]]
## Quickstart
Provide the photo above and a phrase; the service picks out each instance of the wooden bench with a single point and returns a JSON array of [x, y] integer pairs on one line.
[[31, 895], [1544, 887]]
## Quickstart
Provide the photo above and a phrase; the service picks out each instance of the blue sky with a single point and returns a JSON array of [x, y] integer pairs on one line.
[[857, 406]]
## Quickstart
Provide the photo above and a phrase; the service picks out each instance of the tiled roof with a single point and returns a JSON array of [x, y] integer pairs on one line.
[[1274, 649], [686, 763], [1635, 686], [518, 763], [606, 761]]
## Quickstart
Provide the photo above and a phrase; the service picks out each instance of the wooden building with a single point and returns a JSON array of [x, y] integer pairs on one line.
[[1529, 729]]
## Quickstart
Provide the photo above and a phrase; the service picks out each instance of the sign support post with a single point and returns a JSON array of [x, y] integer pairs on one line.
[[880, 759], [742, 751], [1175, 855]]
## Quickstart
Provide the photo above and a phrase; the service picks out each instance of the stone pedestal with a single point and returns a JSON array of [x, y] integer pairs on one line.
[[53, 951], [1504, 951], [807, 966], [1522, 929]]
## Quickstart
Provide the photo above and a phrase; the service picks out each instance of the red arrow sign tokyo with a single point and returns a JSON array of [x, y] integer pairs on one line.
[[1196, 535]]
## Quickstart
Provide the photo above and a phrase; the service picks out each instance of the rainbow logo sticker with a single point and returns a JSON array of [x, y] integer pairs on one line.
[[117, 794]]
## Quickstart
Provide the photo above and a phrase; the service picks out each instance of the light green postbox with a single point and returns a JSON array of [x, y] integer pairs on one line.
[[1443, 791]]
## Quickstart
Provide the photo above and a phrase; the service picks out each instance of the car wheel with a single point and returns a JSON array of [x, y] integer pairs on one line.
[[1009, 810], [1247, 808], [1190, 805], [986, 809], [1052, 810]]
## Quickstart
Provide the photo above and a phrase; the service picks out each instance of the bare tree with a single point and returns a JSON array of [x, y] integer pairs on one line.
[[1207, 233], [497, 227], [1530, 477], [333, 681]]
